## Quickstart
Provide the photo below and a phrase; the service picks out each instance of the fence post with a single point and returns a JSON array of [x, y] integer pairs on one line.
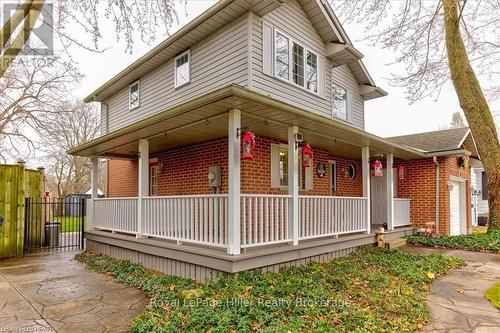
[[82, 226]]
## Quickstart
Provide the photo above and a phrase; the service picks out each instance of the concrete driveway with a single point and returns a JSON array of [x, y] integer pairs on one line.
[[54, 293], [457, 301]]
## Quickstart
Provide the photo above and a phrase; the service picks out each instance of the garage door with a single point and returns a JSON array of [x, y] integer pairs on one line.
[[455, 209]]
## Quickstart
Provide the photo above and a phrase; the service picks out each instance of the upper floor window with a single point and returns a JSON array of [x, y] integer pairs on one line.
[[133, 95], [282, 68], [294, 63], [339, 102], [312, 71], [182, 69], [298, 64]]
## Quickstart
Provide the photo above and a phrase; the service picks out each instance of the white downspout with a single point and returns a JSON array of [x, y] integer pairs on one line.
[[437, 192]]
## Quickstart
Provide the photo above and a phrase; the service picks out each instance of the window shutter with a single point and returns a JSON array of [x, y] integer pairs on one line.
[[309, 177], [267, 49], [321, 76], [484, 186], [275, 156]]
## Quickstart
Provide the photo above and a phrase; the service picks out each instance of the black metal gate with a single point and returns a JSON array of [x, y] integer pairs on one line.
[[54, 224]]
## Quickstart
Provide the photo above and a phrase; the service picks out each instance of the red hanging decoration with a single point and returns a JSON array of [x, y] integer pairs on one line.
[[307, 156], [377, 169], [401, 172], [248, 145]]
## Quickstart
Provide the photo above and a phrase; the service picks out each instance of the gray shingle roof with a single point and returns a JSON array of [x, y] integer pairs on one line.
[[434, 141]]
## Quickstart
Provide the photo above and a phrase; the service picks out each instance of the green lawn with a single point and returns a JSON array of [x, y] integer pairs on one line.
[[482, 242], [493, 295], [371, 290], [70, 223]]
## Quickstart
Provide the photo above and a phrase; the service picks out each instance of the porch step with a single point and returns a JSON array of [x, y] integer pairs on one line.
[[393, 244]]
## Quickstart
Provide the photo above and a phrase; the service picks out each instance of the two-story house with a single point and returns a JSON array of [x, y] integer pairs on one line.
[[239, 143]]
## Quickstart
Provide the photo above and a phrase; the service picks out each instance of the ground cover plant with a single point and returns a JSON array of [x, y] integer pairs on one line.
[[481, 242], [371, 290]]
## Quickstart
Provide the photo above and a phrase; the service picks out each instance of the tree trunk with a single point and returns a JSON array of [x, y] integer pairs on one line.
[[475, 107]]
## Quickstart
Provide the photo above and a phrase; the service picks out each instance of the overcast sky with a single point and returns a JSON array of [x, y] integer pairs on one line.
[[386, 116]]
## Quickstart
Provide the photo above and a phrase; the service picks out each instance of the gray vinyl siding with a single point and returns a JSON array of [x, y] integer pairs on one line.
[[217, 61], [293, 21], [104, 119], [223, 58], [343, 76]]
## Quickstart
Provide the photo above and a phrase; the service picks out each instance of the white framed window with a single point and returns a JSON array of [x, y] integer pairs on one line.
[[279, 168], [340, 105], [298, 64], [311, 72], [154, 171], [133, 95], [295, 63], [283, 167], [182, 69], [332, 177], [282, 57]]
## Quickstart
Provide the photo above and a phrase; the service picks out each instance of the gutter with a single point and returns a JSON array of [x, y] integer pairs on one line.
[[449, 152], [437, 192]]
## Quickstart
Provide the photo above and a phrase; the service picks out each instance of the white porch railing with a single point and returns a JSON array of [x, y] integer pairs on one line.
[[401, 212], [321, 216], [264, 219], [115, 214], [199, 219]]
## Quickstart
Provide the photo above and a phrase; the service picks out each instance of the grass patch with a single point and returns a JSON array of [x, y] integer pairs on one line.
[[370, 290], [70, 223], [493, 295], [487, 242]]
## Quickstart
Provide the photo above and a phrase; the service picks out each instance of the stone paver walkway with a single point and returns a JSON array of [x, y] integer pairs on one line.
[[457, 301], [55, 293]]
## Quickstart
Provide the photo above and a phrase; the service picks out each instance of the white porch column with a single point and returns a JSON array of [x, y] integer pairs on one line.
[[234, 159], [143, 189], [293, 186], [94, 176], [390, 191], [365, 161]]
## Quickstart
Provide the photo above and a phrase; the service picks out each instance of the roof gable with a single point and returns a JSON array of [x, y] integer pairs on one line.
[[318, 12]]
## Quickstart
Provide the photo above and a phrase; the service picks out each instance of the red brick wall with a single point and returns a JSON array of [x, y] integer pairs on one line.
[[420, 186], [186, 168], [122, 178], [185, 171]]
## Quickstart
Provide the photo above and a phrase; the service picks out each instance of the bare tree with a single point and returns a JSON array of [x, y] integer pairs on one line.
[[441, 41], [75, 124], [457, 121], [29, 93], [131, 18]]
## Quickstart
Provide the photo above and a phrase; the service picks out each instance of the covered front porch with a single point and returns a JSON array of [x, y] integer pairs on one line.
[[291, 207]]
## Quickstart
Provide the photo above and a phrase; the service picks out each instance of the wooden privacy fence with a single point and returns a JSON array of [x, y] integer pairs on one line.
[[16, 183]]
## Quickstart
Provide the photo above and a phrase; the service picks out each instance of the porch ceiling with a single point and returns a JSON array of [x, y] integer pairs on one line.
[[206, 117]]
